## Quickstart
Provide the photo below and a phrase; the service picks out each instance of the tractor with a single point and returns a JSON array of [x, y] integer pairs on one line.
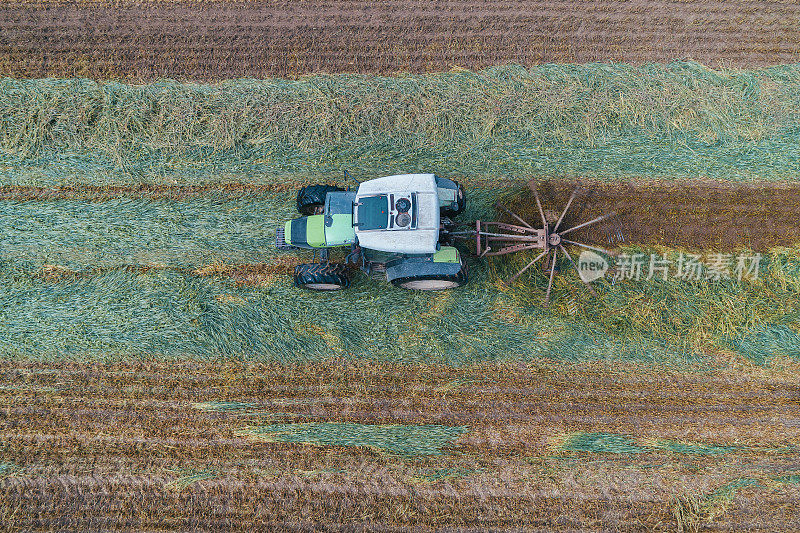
[[396, 228]]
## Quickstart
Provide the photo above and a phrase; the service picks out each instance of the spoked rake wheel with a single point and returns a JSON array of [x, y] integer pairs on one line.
[[500, 238]]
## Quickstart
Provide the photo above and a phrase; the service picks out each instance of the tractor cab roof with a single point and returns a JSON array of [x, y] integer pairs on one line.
[[398, 214]]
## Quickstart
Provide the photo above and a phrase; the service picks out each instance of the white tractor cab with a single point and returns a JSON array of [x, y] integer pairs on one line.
[[396, 227]]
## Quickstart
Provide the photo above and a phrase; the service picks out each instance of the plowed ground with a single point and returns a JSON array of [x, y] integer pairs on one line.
[[226, 38], [108, 447]]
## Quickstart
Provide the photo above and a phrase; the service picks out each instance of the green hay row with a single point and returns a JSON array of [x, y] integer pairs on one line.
[[693, 510], [8, 468], [190, 477], [599, 442], [406, 441], [139, 232], [763, 342], [246, 409], [216, 406], [602, 120], [693, 448], [191, 233], [791, 479], [120, 313], [717, 502], [123, 314]]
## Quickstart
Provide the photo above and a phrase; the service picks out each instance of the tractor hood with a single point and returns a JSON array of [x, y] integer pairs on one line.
[[398, 214]]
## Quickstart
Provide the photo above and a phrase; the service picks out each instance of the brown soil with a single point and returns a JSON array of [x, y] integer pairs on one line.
[[720, 216], [246, 274], [101, 447], [227, 39]]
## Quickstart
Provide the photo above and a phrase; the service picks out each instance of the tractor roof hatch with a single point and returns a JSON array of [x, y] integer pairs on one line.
[[373, 212]]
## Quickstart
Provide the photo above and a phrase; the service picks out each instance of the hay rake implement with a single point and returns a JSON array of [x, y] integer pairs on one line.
[[400, 228], [502, 238]]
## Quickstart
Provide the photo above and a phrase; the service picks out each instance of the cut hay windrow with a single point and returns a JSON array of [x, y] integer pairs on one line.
[[190, 477], [8, 468], [791, 479], [714, 504], [223, 406], [402, 440], [120, 313], [204, 232], [198, 232], [608, 121], [601, 442], [762, 342]]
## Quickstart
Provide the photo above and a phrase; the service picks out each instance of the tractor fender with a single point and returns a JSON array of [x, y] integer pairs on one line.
[[446, 262], [451, 196]]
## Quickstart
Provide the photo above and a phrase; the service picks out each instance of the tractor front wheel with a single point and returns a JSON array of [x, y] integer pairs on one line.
[[321, 276], [311, 199]]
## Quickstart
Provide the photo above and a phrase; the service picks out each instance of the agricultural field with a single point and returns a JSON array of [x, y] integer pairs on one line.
[[386, 447], [223, 39], [159, 371]]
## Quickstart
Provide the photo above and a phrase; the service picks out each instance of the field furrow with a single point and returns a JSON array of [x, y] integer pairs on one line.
[[225, 39], [184, 458]]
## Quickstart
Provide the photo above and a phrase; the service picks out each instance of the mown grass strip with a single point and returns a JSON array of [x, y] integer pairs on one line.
[[8, 468], [191, 477], [80, 234], [681, 119], [600, 442], [217, 406], [165, 314], [402, 440]]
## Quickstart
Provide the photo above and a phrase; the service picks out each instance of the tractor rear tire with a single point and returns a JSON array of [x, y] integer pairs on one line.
[[311, 199], [433, 282], [461, 203], [321, 276]]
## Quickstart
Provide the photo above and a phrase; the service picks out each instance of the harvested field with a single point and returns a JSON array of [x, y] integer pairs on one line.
[[176, 446], [145, 40], [158, 370], [678, 214]]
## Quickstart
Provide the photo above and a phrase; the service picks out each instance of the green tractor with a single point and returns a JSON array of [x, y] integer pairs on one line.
[[396, 228]]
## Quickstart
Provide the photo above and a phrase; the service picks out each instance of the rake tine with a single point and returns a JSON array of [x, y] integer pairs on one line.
[[594, 221], [513, 215], [518, 274], [552, 275], [594, 293], [539, 205], [595, 248], [563, 214]]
